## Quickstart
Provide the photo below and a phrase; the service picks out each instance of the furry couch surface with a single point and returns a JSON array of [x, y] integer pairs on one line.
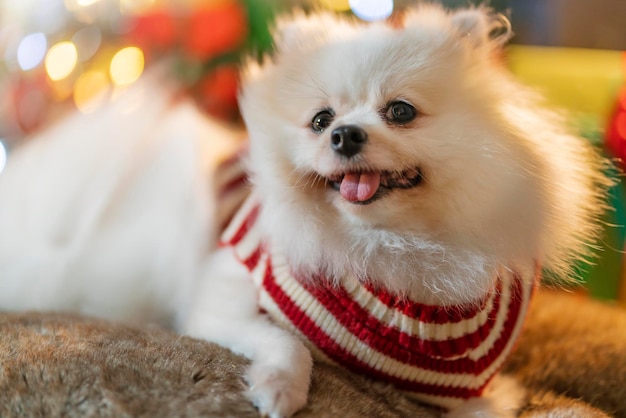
[[572, 358]]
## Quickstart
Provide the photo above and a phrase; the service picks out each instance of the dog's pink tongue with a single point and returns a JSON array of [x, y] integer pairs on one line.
[[359, 187]]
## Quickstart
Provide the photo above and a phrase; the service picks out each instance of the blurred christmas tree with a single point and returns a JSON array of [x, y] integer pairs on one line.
[[80, 53]]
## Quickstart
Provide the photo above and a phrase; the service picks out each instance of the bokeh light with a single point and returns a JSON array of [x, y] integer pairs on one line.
[[3, 156], [372, 10], [31, 51], [77, 5], [87, 41], [91, 90], [126, 66], [135, 6], [61, 60], [337, 5]]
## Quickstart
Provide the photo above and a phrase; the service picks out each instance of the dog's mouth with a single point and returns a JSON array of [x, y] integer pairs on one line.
[[365, 187]]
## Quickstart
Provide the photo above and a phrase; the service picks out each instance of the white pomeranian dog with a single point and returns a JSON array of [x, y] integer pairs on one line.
[[405, 194]]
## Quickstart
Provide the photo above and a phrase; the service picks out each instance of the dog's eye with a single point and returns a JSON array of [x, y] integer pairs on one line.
[[400, 112], [322, 121]]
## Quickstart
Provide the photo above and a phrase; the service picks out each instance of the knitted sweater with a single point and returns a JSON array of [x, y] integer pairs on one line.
[[442, 356]]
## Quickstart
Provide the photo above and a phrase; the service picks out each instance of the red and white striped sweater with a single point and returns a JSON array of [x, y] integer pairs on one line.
[[440, 355]]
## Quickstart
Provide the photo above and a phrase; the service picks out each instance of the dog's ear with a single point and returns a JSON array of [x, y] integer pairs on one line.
[[481, 25], [475, 26]]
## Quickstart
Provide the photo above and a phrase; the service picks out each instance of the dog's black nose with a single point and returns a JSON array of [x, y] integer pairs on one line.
[[348, 140]]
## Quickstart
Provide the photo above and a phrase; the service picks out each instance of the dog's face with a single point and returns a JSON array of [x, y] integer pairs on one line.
[[364, 133], [385, 127]]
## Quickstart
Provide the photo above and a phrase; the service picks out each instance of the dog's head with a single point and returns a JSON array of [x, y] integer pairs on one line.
[[402, 151]]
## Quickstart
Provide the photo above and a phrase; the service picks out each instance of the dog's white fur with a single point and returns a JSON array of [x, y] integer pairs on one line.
[[506, 184], [108, 213], [505, 181]]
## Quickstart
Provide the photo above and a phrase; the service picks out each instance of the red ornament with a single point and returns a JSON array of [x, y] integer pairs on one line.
[[616, 131], [215, 30], [154, 30], [218, 92]]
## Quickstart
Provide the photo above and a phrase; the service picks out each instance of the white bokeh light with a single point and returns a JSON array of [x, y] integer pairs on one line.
[[3, 156], [61, 60], [372, 10], [31, 51]]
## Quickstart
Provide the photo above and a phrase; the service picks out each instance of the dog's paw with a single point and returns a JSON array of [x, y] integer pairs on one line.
[[277, 393], [503, 398]]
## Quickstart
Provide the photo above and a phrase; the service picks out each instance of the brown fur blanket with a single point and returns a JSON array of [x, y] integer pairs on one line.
[[572, 358]]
